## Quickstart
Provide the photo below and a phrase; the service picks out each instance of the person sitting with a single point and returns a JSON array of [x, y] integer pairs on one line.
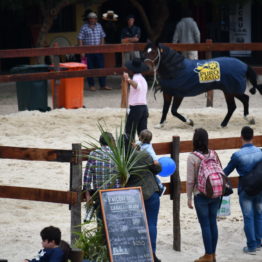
[[51, 252]]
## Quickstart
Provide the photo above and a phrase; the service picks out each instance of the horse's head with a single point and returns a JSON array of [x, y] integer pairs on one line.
[[151, 55]]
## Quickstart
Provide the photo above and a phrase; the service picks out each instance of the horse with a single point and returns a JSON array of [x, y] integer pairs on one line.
[[180, 77]]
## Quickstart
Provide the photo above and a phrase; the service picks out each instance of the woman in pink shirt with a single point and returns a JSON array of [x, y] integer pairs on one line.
[[137, 99]]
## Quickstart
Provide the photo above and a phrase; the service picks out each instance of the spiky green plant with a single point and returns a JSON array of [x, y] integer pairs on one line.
[[92, 242], [124, 158]]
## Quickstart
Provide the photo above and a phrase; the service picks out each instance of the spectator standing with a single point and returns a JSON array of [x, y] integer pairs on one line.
[[206, 208], [187, 32], [244, 160], [92, 33], [99, 169], [150, 190], [137, 99], [130, 34]]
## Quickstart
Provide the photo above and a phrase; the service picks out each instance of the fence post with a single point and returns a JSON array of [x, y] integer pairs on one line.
[[76, 186], [210, 93], [56, 81], [175, 184]]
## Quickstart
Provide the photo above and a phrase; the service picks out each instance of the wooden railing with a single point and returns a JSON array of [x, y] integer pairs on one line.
[[207, 47], [76, 156]]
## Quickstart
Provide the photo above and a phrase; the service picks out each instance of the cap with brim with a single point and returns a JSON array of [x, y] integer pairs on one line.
[[136, 66], [92, 15]]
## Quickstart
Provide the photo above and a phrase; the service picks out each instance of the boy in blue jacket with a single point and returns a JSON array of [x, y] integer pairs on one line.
[[51, 252]]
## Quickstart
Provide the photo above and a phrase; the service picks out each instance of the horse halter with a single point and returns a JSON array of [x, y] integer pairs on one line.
[[155, 67]]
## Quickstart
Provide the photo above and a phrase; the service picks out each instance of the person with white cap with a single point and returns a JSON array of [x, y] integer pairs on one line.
[[92, 33]]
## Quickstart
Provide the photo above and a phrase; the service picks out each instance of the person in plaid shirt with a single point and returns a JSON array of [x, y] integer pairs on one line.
[[206, 208], [92, 33], [99, 169]]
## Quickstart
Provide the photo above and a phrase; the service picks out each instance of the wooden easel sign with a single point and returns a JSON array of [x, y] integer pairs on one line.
[[126, 225]]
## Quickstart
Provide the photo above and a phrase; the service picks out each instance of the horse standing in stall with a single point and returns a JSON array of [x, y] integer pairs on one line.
[[180, 77]]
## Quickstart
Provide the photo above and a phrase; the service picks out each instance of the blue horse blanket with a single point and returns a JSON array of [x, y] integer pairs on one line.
[[193, 77]]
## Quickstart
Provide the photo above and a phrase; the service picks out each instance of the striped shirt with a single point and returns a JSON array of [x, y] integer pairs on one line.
[[99, 169], [91, 35]]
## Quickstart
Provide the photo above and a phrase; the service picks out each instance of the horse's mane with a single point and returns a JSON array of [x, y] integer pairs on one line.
[[170, 62]]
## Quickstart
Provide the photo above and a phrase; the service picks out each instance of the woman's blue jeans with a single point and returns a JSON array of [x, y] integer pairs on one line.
[[206, 209], [152, 208], [251, 207]]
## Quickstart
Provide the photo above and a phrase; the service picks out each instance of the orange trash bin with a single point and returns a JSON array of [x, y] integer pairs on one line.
[[71, 90]]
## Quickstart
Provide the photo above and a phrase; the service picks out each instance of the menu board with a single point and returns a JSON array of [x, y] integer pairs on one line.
[[126, 225]]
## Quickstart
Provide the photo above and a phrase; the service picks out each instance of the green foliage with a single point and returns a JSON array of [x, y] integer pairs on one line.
[[92, 242], [124, 158]]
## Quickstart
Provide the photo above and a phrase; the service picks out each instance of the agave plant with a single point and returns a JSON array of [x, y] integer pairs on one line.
[[124, 156]]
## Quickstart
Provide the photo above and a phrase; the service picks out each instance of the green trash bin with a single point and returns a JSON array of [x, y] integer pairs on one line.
[[32, 95]]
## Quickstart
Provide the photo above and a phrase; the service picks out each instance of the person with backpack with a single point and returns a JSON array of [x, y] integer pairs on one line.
[[205, 182], [244, 161]]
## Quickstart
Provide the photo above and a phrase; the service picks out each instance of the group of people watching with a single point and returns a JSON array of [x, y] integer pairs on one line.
[[92, 33], [244, 160], [98, 172]]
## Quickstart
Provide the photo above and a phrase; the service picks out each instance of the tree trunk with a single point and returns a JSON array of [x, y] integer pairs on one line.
[[49, 17], [159, 16]]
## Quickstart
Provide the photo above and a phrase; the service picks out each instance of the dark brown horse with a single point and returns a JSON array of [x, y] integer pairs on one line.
[[180, 77]]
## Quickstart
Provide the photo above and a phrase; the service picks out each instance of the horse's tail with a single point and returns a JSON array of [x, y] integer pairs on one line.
[[252, 77]]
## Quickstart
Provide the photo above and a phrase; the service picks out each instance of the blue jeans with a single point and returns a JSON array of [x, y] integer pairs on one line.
[[95, 61], [251, 207], [152, 208], [206, 209]]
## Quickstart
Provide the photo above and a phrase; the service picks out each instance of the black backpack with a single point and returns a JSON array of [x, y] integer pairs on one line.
[[252, 183]]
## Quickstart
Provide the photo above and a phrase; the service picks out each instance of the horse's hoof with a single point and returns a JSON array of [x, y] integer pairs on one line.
[[190, 122], [250, 120], [159, 126]]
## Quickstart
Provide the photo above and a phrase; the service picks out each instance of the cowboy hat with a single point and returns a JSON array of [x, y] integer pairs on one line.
[[136, 66], [110, 16]]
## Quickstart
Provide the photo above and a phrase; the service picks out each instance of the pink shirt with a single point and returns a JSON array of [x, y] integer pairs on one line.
[[137, 96]]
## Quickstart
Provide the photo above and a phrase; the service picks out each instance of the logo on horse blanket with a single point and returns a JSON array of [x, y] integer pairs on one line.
[[208, 72]]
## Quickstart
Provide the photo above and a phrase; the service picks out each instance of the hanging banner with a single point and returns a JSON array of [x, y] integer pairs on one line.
[[240, 27]]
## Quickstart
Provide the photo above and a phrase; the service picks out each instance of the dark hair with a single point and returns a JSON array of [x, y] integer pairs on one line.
[[247, 133], [130, 16], [66, 249], [145, 136], [200, 141], [51, 233], [106, 138]]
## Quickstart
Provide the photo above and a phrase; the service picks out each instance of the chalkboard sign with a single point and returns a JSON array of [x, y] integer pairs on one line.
[[126, 225]]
